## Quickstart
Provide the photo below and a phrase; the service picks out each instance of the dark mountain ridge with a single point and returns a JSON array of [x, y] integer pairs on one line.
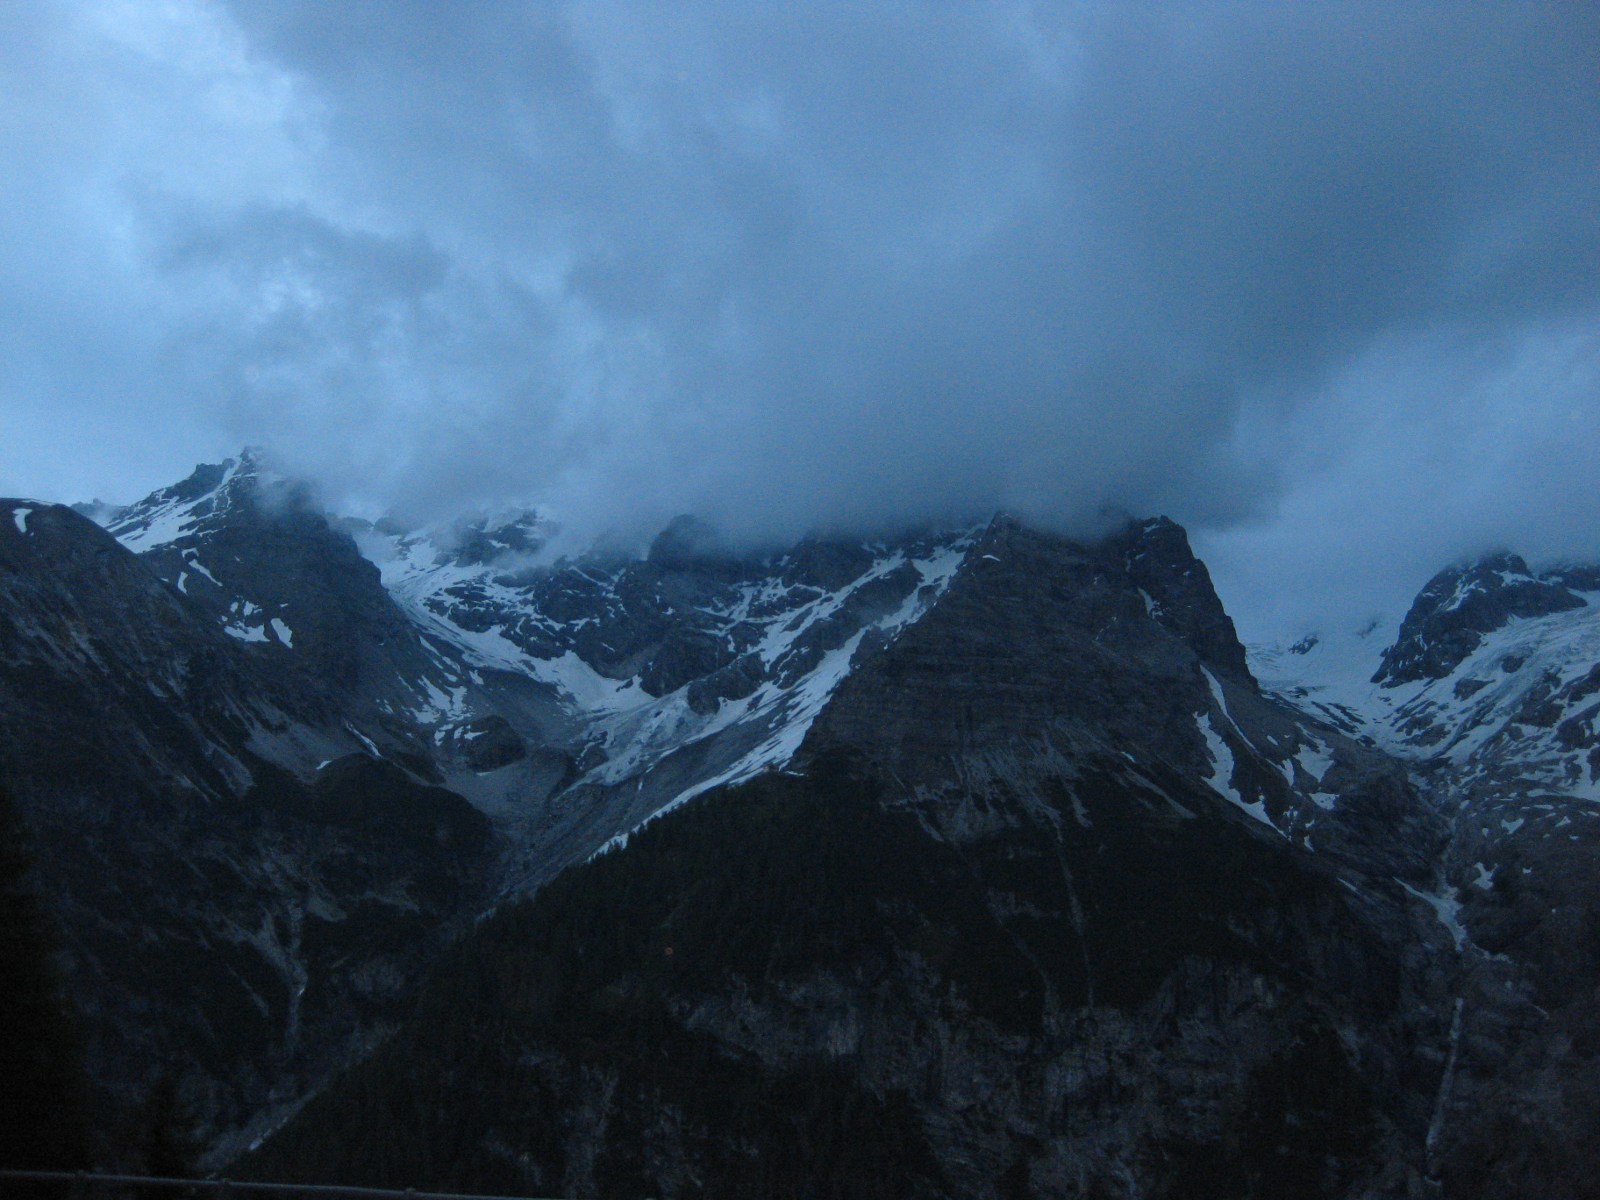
[[997, 872], [250, 906]]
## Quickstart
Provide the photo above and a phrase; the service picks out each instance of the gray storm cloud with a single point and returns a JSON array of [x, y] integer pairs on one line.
[[1319, 281]]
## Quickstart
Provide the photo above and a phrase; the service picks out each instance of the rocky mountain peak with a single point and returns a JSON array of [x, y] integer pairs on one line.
[[1459, 605], [253, 551], [213, 493], [1039, 635], [1178, 593]]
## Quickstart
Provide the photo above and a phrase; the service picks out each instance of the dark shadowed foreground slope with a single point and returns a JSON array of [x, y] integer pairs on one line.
[[799, 988], [229, 924]]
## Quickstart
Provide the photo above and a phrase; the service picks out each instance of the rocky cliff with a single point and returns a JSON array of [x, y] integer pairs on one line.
[[967, 862], [1051, 901]]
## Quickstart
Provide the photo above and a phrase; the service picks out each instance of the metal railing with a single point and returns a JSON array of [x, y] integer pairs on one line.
[[239, 1187]]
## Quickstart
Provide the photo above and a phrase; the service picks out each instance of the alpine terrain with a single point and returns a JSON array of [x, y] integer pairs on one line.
[[979, 862]]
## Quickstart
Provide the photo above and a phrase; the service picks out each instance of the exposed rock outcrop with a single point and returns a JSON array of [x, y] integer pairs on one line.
[[1461, 604]]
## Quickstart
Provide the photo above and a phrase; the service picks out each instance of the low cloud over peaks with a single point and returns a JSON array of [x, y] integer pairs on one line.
[[1291, 274]]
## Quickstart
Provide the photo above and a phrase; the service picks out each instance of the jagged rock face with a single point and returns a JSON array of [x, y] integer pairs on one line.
[[251, 550], [1502, 744], [1035, 631], [1157, 559], [290, 587], [1458, 606], [225, 920], [106, 677], [685, 612], [1045, 650], [485, 541], [1112, 923], [685, 669]]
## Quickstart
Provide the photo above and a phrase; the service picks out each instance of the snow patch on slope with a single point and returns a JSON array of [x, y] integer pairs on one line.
[[1221, 780], [1222, 758], [1499, 710], [1446, 906], [191, 559], [141, 529], [787, 712], [797, 709]]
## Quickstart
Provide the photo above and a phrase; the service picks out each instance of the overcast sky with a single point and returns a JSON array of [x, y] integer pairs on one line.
[[1321, 281]]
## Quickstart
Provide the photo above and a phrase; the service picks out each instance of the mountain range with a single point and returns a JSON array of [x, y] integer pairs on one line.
[[965, 862]]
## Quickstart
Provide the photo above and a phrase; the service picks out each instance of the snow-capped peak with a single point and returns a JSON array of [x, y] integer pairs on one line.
[[1495, 670], [1459, 606], [167, 514]]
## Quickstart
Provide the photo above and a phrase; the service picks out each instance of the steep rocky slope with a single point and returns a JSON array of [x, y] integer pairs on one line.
[[194, 714], [976, 861], [1490, 689], [250, 551], [108, 675], [675, 672], [1051, 901], [569, 698], [229, 922]]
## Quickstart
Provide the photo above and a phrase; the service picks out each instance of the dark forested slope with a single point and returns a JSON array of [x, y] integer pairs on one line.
[[796, 988]]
